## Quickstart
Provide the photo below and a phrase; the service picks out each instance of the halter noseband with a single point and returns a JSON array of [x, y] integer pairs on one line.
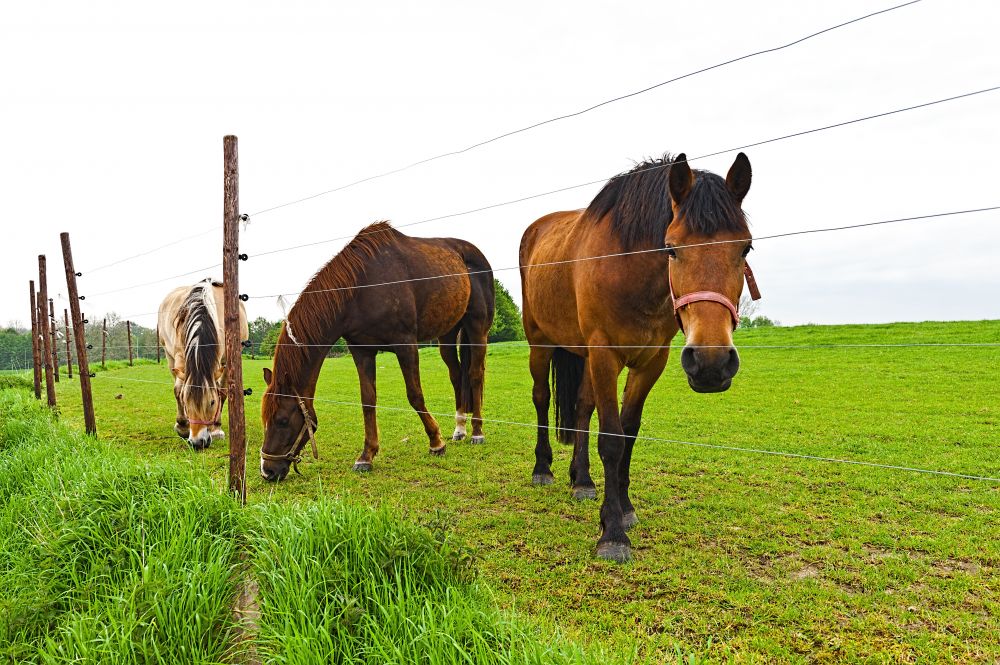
[[306, 434], [713, 296]]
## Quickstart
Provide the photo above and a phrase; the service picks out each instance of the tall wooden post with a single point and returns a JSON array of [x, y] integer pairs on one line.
[[35, 356], [46, 339], [128, 329], [157, 345], [55, 344], [80, 336], [104, 344], [69, 353], [231, 308]]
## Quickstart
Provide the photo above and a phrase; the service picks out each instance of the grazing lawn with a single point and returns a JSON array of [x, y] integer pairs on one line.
[[738, 555]]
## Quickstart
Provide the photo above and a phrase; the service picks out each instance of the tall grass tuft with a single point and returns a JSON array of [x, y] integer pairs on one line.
[[348, 584], [104, 559]]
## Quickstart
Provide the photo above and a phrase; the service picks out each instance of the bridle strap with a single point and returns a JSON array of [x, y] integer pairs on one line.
[[306, 434], [218, 414], [713, 296]]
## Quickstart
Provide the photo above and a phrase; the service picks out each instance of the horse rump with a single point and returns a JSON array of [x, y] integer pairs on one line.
[[567, 376]]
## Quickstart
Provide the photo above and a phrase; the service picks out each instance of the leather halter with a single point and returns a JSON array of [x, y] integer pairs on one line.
[[215, 421], [306, 434], [713, 296]]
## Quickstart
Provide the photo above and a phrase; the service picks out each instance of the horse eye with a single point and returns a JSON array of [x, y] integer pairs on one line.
[[282, 422], [747, 250], [671, 252]]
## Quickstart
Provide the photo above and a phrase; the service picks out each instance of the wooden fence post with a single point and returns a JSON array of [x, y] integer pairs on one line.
[[128, 329], [80, 336], [43, 325], [55, 343], [157, 344], [231, 309], [35, 356], [104, 344], [69, 353]]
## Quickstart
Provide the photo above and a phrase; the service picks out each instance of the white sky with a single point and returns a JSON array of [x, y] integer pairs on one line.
[[112, 117]]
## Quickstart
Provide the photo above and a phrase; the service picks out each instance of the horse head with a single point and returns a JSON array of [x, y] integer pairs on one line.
[[289, 423], [708, 241], [202, 402]]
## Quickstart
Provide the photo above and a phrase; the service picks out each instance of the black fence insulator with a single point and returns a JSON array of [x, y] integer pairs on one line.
[[244, 297], [92, 375], [79, 274], [244, 217], [246, 344], [90, 346], [83, 297], [243, 257], [248, 391]]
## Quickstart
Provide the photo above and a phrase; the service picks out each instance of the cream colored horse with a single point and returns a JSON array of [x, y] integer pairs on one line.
[[190, 325]]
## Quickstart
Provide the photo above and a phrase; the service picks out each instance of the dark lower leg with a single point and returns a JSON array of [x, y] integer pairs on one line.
[[365, 363], [409, 363], [540, 395]]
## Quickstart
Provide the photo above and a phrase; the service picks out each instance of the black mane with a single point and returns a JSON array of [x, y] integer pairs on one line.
[[639, 204]]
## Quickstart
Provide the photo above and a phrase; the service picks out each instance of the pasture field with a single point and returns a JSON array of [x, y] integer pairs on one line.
[[738, 556]]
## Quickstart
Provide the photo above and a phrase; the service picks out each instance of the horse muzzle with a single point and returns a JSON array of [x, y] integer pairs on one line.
[[710, 370]]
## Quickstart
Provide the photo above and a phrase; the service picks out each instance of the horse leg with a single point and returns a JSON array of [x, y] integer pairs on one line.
[[181, 426], [409, 363], [217, 431], [581, 484], [637, 386], [364, 360], [605, 366], [477, 380], [538, 362], [447, 345]]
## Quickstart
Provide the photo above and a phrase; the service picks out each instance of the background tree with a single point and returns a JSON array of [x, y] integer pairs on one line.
[[507, 325]]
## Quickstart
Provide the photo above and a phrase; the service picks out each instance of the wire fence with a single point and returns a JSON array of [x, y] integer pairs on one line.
[[151, 351]]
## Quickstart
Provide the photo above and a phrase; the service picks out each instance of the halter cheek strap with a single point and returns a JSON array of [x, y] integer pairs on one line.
[[306, 434], [215, 420], [713, 296]]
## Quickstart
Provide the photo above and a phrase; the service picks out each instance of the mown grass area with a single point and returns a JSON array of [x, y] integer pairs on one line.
[[738, 556], [106, 558]]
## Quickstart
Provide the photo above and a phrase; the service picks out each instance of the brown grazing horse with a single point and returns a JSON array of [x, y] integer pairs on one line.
[[674, 244], [385, 291]]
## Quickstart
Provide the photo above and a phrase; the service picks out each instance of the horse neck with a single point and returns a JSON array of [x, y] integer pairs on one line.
[[301, 358]]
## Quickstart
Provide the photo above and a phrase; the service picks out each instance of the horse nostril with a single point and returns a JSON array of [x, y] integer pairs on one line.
[[689, 360], [732, 364]]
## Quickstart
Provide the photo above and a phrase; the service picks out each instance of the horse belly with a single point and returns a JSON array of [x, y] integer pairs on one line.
[[441, 302]]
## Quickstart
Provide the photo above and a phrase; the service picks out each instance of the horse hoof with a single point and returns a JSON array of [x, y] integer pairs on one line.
[[478, 439], [630, 519], [585, 493], [362, 467], [458, 436], [617, 552], [439, 451], [542, 479]]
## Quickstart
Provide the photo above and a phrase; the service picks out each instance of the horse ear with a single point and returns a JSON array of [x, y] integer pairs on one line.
[[738, 178], [681, 180], [267, 376]]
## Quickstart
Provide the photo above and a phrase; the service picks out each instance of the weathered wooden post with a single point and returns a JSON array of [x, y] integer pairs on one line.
[[35, 356], [128, 329], [104, 344], [80, 336], [157, 344], [69, 353], [55, 343], [43, 325], [231, 309]]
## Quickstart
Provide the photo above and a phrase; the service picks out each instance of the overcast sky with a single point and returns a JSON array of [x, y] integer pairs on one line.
[[113, 116]]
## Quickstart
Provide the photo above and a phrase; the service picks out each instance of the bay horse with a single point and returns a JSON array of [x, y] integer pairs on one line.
[[190, 331], [385, 291], [661, 248]]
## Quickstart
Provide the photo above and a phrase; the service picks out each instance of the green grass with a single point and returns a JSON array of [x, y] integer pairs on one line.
[[738, 556], [105, 558]]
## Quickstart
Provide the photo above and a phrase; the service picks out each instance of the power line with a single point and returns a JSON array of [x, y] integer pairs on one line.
[[585, 110], [658, 166], [153, 250], [643, 251]]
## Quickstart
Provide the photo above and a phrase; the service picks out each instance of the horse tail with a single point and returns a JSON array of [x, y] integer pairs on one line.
[[567, 376], [465, 363]]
